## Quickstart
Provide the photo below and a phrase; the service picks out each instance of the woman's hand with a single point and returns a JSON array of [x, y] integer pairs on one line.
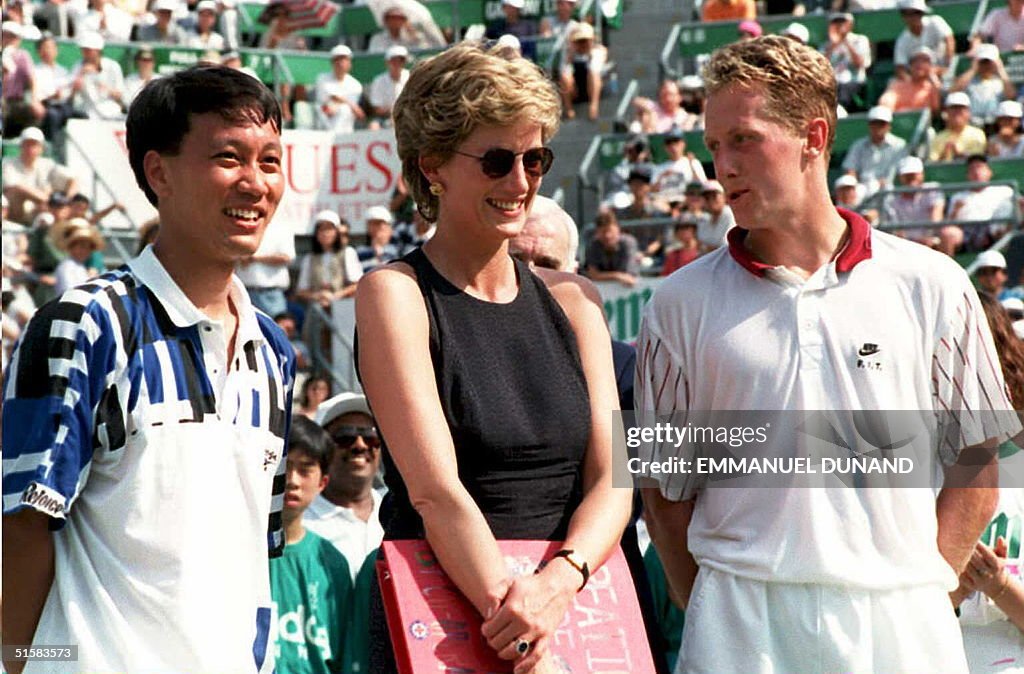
[[985, 571], [533, 608]]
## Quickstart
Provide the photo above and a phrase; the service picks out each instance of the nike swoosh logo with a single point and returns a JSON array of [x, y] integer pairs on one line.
[[868, 350]]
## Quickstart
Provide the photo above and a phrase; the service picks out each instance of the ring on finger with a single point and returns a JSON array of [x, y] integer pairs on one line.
[[522, 646]]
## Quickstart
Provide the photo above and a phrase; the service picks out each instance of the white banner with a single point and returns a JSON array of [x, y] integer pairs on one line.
[[344, 173]]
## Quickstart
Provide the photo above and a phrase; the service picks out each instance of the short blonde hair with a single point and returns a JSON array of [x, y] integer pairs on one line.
[[449, 95], [797, 82]]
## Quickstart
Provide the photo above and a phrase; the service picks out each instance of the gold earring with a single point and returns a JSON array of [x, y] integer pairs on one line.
[[437, 189]]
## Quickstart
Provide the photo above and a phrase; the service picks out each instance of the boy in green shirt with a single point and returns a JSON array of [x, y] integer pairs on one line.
[[310, 583]]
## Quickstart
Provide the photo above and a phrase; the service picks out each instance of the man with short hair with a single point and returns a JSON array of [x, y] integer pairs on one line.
[[923, 29], [337, 93], [612, 255], [146, 414], [983, 202], [681, 168], [810, 309], [166, 29], [387, 86], [30, 178], [642, 206], [379, 248]]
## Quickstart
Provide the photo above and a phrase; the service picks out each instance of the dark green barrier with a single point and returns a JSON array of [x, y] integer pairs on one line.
[[956, 171]]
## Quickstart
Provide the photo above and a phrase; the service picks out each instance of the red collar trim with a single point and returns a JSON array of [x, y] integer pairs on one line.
[[857, 248]]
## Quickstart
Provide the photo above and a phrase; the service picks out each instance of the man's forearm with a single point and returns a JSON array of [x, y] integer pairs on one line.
[[964, 508], [28, 563], [668, 523]]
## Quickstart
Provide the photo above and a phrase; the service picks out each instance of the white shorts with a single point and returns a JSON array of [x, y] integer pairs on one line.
[[736, 625]]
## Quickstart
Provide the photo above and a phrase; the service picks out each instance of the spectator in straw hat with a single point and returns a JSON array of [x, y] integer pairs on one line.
[[80, 240]]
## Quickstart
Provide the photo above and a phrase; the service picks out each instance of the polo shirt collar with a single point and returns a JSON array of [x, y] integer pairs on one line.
[[180, 309], [856, 250]]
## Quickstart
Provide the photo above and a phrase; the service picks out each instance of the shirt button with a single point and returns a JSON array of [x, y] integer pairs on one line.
[[207, 328]]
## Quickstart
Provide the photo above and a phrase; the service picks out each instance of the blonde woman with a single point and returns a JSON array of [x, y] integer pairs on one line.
[[492, 385]]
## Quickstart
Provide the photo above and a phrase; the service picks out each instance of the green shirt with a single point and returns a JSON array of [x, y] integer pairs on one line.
[[312, 592], [357, 632]]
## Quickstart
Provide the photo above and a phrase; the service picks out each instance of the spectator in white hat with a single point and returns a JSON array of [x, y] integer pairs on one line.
[[850, 56], [990, 270], [337, 93], [987, 83], [922, 89], [105, 18], [386, 87], [1007, 141], [205, 35], [847, 192], [797, 31], [165, 30], [959, 139], [581, 72], [398, 30], [713, 226], [923, 205], [513, 23], [379, 249], [30, 178], [872, 159], [1004, 27], [97, 82], [923, 29], [331, 270]]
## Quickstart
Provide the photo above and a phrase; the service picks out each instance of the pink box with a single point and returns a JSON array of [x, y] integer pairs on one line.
[[435, 629]]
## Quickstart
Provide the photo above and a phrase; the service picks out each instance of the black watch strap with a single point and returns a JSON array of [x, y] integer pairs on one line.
[[577, 563]]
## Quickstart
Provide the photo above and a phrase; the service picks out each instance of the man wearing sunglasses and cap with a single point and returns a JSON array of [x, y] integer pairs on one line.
[[347, 511]]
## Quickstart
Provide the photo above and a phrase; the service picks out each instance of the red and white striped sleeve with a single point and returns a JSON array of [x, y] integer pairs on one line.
[[662, 394], [968, 390]]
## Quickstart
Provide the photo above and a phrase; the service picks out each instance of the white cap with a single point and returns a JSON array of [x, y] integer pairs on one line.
[[378, 213], [395, 10], [880, 113], [326, 216], [31, 133], [518, 4], [1010, 109], [90, 41], [712, 186], [1013, 304], [691, 82], [581, 31], [846, 181], [205, 5], [341, 50], [799, 31], [986, 51], [916, 5], [910, 165], [510, 41], [12, 27], [339, 405], [396, 51], [958, 99], [990, 258], [165, 5], [923, 51]]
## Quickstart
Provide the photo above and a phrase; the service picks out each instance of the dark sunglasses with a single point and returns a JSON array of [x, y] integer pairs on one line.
[[498, 163], [345, 436]]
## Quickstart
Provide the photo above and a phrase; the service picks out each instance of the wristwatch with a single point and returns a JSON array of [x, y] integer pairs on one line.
[[577, 563]]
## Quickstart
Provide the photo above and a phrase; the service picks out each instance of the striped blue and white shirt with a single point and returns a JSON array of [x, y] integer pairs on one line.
[[161, 466]]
